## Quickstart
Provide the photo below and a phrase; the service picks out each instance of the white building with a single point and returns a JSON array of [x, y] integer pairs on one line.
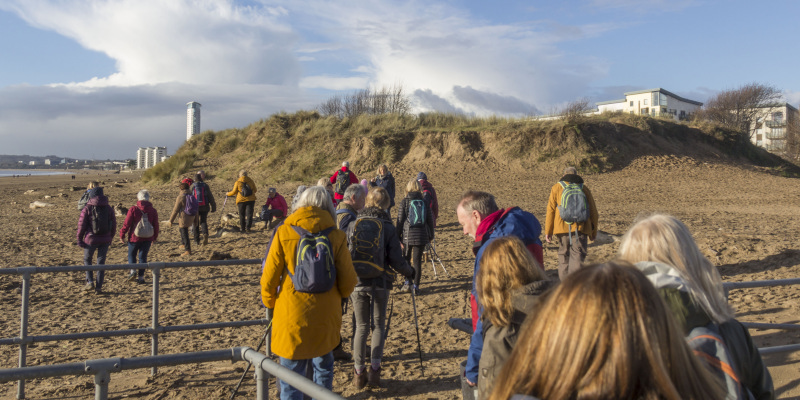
[[653, 102], [31, 162], [772, 123], [147, 157], [192, 119], [46, 161]]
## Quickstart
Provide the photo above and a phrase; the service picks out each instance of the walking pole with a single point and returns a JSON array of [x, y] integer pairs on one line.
[[416, 324], [263, 338], [436, 255]]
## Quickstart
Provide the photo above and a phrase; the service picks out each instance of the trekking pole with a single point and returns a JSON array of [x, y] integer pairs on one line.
[[429, 249], [263, 338], [416, 324], [436, 255], [389, 318]]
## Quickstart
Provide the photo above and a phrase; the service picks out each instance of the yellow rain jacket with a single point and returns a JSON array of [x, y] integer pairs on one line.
[[237, 190], [305, 325]]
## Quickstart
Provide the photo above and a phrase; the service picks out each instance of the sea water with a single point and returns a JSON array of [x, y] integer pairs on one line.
[[32, 172]]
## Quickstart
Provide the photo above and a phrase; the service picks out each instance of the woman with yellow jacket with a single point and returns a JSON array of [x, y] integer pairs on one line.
[[245, 191], [305, 326]]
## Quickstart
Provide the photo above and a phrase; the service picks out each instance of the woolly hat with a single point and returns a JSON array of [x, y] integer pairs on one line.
[[421, 176]]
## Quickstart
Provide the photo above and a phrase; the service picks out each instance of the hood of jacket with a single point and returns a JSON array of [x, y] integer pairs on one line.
[[523, 298], [374, 212], [675, 291], [504, 222], [415, 195], [312, 219], [572, 178], [98, 200]]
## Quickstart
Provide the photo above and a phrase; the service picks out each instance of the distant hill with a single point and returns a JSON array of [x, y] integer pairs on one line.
[[304, 145]]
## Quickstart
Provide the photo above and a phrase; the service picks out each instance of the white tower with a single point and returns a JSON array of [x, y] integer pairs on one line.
[[192, 119]]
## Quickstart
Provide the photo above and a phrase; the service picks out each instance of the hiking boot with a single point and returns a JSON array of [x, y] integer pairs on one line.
[[373, 377], [132, 276], [359, 380], [98, 291], [405, 287], [186, 253], [205, 239], [140, 281], [89, 286], [341, 355]]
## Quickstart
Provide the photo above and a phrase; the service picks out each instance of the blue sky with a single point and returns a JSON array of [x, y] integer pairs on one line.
[[89, 78]]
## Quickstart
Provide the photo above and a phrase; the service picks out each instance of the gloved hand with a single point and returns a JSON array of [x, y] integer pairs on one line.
[[411, 276]]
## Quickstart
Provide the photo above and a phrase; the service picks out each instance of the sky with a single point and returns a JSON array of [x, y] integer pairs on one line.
[[100, 78]]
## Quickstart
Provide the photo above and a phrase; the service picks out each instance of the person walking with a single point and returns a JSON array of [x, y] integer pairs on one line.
[[572, 237], [206, 203], [415, 219], [347, 210], [185, 220], [341, 179], [245, 191], [429, 193], [375, 250], [385, 180], [305, 326], [138, 245], [97, 225], [481, 219]]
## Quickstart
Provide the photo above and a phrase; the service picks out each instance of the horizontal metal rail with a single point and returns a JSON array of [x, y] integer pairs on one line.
[[103, 368], [155, 328]]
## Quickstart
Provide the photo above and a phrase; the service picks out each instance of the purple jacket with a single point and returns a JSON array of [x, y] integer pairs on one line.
[[85, 235]]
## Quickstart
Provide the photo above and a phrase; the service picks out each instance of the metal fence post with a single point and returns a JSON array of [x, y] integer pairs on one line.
[[23, 330], [262, 383], [156, 268], [101, 379]]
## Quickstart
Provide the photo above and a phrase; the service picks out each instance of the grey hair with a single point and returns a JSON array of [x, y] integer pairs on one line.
[[143, 195], [296, 198], [346, 164], [570, 171], [316, 196], [354, 191], [482, 202], [665, 239]]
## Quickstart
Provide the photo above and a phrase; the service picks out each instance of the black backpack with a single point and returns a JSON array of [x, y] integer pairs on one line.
[[101, 221], [366, 247], [342, 182], [416, 213], [247, 191]]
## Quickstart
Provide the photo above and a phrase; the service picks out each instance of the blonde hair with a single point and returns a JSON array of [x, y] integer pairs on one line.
[[242, 173], [604, 333], [413, 186], [506, 265], [324, 182], [384, 168], [93, 184], [665, 239], [316, 196], [378, 197]]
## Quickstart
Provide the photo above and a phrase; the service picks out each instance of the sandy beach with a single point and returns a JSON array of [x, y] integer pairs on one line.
[[744, 219]]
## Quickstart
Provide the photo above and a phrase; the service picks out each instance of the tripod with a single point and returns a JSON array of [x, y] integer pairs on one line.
[[430, 248]]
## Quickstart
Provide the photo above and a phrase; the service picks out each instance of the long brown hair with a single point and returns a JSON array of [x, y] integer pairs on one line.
[[604, 333], [506, 265]]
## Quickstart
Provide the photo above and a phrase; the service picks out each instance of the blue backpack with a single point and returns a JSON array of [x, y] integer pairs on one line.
[[314, 270], [416, 213]]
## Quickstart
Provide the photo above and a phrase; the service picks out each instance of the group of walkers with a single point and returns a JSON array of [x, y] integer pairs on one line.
[[655, 323]]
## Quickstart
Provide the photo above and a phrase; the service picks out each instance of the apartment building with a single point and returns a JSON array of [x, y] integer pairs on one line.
[[147, 157], [192, 119], [770, 129], [652, 102]]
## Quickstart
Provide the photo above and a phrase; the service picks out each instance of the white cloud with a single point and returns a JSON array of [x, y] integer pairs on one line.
[[329, 82]]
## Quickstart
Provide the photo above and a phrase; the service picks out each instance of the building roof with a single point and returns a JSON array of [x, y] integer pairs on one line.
[[667, 92], [601, 103]]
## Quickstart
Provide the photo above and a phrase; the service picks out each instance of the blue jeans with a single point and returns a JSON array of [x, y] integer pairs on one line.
[[88, 252], [323, 374], [141, 248]]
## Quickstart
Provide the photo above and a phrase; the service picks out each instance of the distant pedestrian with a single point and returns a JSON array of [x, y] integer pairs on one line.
[[245, 191], [96, 227], [185, 220], [206, 203], [385, 180], [324, 182], [136, 221], [340, 180], [572, 237], [88, 194], [429, 193], [415, 227], [275, 207]]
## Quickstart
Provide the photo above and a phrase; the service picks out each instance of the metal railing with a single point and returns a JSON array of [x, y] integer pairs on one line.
[[103, 368], [155, 328], [756, 325]]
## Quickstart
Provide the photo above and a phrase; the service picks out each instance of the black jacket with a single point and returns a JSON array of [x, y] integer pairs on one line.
[[414, 236]]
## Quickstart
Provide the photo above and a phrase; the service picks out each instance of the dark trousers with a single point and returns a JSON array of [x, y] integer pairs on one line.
[[203, 212], [139, 249], [88, 252], [365, 301], [187, 244], [414, 257], [245, 214], [570, 256]]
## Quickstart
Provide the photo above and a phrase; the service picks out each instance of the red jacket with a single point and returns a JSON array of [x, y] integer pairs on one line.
[[133, 218], [353, 179], [277, 203]]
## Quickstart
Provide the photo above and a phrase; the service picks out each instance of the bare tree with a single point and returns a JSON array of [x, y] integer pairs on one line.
[[387, 100], [740, 108], [574, 110]]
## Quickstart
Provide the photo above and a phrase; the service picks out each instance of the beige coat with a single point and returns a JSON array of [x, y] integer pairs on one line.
[[184, 221]]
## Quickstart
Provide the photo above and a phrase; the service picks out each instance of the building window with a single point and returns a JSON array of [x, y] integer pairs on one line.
[[631, 103], [776, 133], [645, 111], [777, 116], [645, 102]]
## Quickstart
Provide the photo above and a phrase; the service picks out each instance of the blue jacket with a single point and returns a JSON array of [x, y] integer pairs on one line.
[[386, 182], [509, 222]]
